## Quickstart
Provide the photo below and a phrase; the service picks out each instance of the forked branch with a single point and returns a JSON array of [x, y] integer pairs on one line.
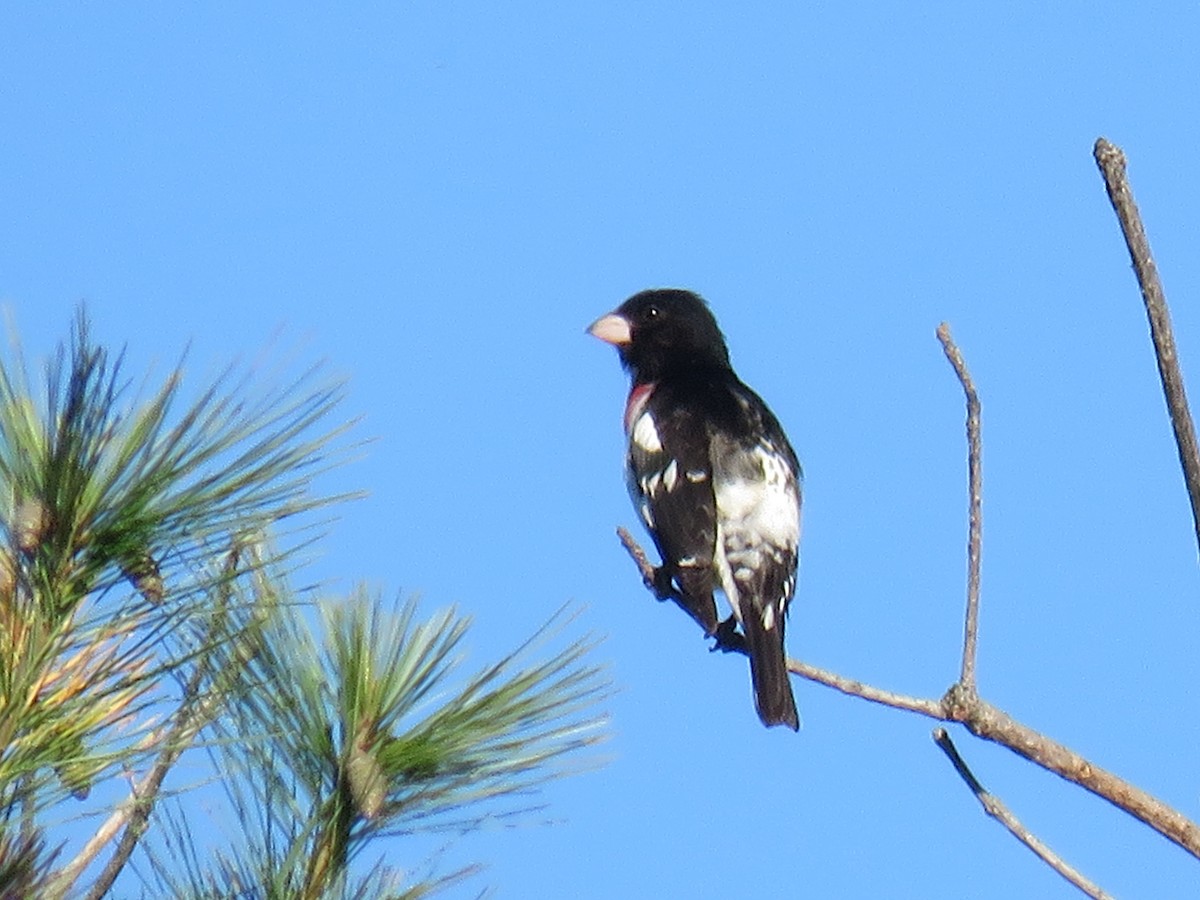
[[991, 723]]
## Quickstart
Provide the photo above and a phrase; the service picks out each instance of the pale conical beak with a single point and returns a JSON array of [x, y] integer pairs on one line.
[[612, 329]]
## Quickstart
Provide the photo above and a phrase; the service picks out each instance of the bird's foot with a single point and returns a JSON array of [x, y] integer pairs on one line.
[[663, 584], [727, 638]]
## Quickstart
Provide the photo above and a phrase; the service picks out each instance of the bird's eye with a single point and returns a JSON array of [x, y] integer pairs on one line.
[[652, 312]]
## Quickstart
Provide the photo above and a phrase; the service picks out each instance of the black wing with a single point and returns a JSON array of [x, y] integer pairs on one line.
[[669, 476]]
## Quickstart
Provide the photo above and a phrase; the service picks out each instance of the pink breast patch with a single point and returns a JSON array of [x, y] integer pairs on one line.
[[638, 398]]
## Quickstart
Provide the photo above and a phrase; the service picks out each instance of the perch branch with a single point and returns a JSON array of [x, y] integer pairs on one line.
[[991, 723], [934, 709], [997, 809], [975, 504], [1111, 161], [728, 642]]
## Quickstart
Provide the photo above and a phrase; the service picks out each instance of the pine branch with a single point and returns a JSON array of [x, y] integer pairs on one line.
[[353, 731], [196, 709]]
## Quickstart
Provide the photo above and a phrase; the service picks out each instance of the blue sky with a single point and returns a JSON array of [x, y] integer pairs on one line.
[[437, 198]]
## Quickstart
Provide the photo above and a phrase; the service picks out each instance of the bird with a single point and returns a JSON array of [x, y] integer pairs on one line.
[[714, 479]]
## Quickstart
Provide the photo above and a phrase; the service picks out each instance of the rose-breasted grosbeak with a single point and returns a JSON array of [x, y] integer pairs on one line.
[[713, 477]]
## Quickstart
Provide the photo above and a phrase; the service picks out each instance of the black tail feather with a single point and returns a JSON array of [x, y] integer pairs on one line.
[[768, 671]]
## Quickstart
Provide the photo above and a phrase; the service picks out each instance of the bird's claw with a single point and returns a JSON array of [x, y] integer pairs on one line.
[[663, 584], [727, 638]]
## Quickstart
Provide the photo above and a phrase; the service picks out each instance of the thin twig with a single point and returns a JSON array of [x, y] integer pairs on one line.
[[975, 504], [996, 808], [65, 877], [192, 715], [1111, 161], [645, 568], [934, 709]]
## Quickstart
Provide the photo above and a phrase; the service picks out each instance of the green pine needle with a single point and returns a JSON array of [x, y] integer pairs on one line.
[[356, 729]]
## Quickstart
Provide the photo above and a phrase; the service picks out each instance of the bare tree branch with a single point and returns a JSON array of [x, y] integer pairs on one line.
[[996, 808], [991, 723], [1111, 161], [730, 643], [975, 505], [963, 704], [984, 720], [934, 709]]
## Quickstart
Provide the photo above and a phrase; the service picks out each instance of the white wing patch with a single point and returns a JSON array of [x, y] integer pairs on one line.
[[645, 434], [766, 507], [670, 475], [650, 484], [758, 515]]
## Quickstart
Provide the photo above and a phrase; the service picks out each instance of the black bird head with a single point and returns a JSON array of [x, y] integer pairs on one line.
[[661, 331]]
